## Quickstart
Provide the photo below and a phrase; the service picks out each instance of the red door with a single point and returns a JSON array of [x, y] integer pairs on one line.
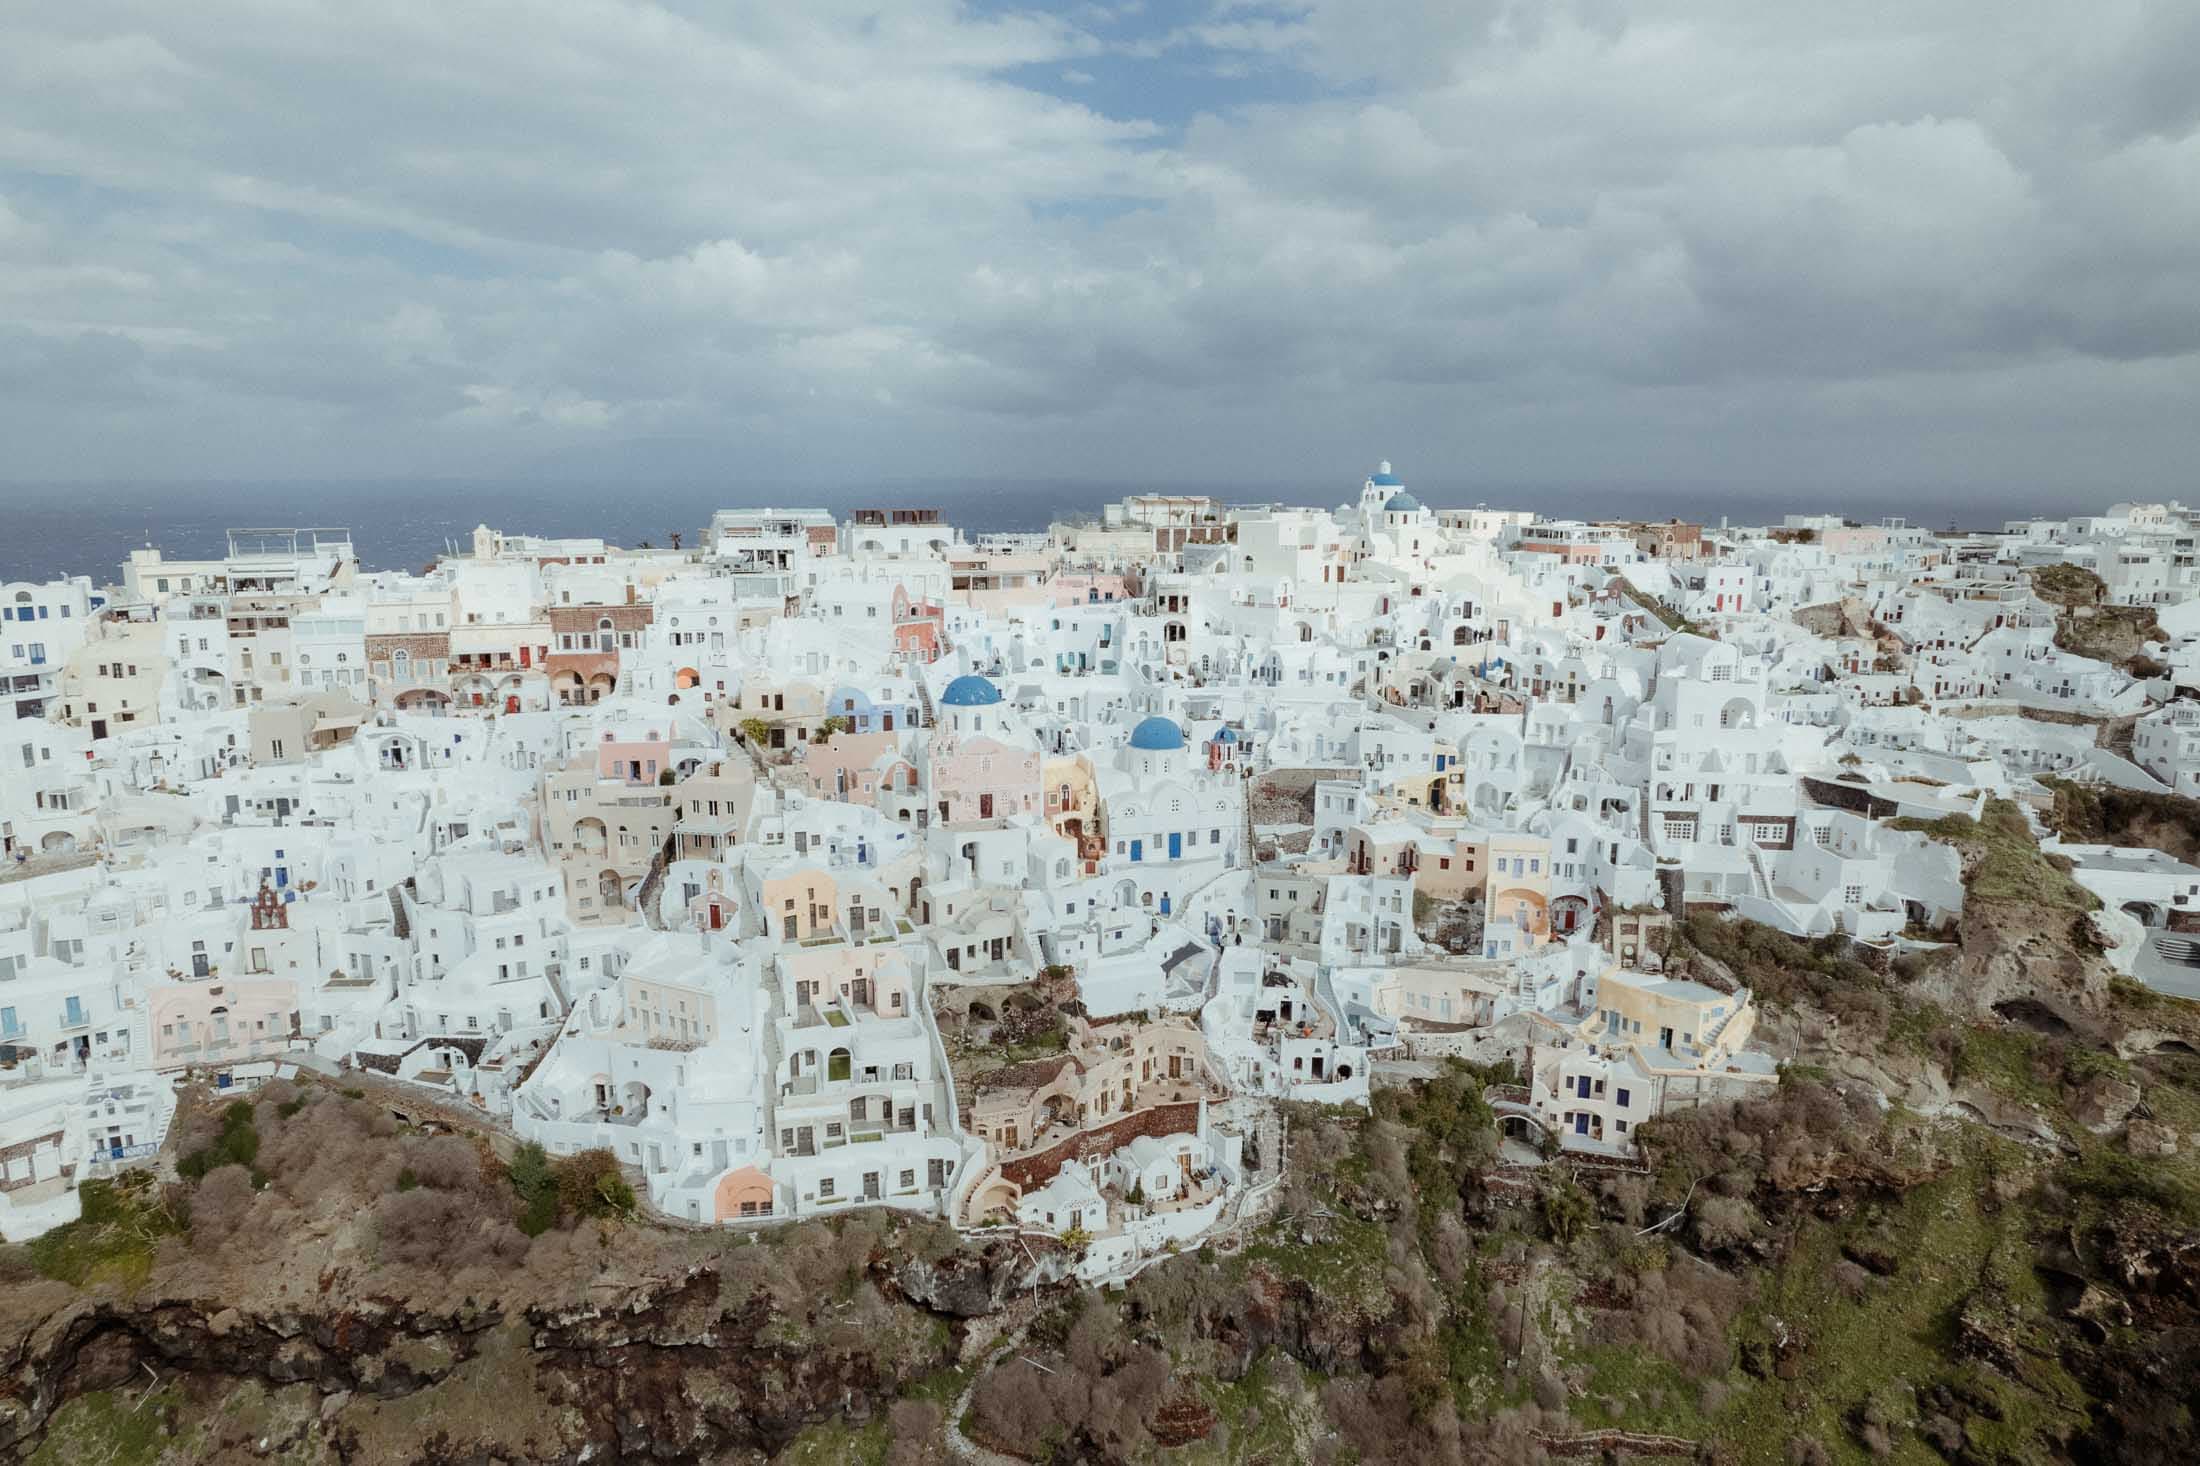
[[511, 704]]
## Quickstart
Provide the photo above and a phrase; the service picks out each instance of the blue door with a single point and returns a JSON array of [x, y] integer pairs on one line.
[[1164, 903], [1581, 1124], [115, 1147], [1138, 850], [1176, 845]]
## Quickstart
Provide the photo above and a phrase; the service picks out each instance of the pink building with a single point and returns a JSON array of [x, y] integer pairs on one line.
[[1854, 539], [222, 1022], [983, 779], [636, 761], [854, 767]]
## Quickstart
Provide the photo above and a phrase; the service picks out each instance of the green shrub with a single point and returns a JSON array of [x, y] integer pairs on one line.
[[586, 1185], [530, 1175], [590, 1185], [238, 1144]]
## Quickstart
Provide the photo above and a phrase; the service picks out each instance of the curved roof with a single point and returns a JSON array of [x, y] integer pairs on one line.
[[1401, 503], [1387, 481], [970, 691], [1225, 735], [1157, 734]]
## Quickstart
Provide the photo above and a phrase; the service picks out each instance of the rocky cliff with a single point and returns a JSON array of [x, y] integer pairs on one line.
[[728, 1356]]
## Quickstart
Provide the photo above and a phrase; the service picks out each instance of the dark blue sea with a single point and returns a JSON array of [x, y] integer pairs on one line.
[[89, 529]]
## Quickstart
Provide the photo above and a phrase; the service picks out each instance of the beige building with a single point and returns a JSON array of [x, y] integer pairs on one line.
[[113, 681], [296, 728], [603, 834]]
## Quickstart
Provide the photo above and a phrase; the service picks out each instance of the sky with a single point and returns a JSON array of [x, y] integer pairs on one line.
[[1623, 242]]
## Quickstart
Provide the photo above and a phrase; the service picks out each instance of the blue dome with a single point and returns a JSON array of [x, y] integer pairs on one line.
[[1401, 503], [1225, 736], [1387, 481], [970, 691], [1157, 735]]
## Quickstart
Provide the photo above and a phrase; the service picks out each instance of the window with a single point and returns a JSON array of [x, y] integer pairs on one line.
[[825, 1188], [1621, 1098]]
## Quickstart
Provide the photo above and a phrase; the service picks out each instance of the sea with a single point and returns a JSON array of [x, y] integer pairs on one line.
[[57, 529]]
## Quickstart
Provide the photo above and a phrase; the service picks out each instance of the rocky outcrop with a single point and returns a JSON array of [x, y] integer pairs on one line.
[[2104, 1102], [2014, 953], [974, 1282]]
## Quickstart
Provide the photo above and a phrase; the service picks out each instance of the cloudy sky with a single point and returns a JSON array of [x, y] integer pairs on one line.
[[1615, 241]]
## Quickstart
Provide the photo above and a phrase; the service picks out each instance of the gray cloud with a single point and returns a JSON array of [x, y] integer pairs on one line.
[[1711, 239]]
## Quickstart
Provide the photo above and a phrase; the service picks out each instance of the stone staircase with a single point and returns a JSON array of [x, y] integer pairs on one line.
[[399, 921], [1268, 1140], [1758, 878], [924, 703], [1251, 858], [1710, 1039], [2182, 950], [653, 885], [774, 1054]]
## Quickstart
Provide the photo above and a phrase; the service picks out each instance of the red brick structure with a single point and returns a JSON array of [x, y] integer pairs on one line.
[[1101, 1141]]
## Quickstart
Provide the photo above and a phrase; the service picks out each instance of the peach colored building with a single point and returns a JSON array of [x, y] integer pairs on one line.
[[1090, 588], [1109, 1070], [872, 981], [799, 905]]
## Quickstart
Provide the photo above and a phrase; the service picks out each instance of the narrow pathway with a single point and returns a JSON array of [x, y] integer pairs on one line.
[[961, 1446]]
